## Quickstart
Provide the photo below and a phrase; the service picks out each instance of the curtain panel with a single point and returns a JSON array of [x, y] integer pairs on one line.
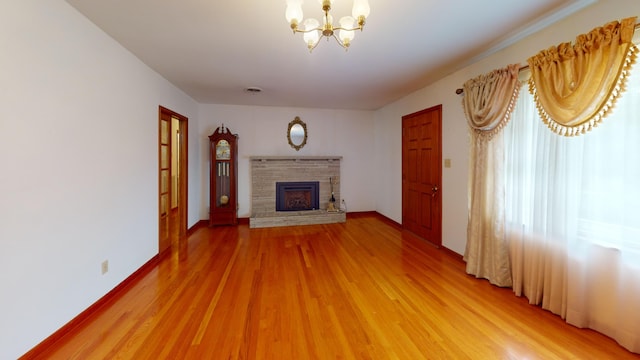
[[576, 85], [488, 102]]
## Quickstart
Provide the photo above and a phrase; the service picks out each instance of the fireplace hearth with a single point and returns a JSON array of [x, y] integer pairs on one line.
[[297, 196]]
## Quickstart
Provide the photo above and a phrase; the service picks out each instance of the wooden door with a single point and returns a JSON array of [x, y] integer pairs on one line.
[[172, 148], [422, 174]]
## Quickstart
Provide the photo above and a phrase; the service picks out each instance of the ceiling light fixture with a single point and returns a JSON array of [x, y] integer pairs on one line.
[[312, 29]]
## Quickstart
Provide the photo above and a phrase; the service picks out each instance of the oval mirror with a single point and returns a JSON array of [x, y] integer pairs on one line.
[[297, 133]]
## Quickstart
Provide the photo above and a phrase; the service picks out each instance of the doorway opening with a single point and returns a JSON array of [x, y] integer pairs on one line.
[[172, 180]]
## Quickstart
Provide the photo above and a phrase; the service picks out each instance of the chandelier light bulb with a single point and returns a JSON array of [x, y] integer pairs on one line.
[[347, 22], [328, 19], [311, 33], [360, 9], [294, 12]]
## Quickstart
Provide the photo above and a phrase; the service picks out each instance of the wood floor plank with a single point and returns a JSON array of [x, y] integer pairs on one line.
[[363, 289]]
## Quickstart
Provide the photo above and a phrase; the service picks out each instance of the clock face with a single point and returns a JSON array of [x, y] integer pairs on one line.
[[223, 150]]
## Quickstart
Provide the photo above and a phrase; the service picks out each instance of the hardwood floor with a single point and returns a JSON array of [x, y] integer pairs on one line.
[[358, 290]]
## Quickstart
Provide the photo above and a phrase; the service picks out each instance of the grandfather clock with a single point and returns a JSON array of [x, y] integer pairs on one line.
[[223, 187]]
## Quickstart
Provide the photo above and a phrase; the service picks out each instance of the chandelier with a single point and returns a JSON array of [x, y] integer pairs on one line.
[[312, 30]]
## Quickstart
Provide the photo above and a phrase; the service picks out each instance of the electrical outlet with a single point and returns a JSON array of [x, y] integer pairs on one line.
[[105, 267]]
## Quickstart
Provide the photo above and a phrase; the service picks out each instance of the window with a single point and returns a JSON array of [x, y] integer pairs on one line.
[[577, 189]]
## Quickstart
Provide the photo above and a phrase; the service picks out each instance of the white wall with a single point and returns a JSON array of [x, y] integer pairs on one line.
[[388, 120], [79, 160], [263, 131]]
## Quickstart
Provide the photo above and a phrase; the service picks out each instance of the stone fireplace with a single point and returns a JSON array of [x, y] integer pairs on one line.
[[294, 175]]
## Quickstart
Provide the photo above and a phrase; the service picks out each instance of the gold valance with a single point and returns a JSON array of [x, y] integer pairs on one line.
[[575, 85], [489, 99]]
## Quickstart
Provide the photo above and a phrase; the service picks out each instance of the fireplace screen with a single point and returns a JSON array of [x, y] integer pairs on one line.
[[297, 196]]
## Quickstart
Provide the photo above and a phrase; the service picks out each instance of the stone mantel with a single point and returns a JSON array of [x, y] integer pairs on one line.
[[266, 171], [295, 158]]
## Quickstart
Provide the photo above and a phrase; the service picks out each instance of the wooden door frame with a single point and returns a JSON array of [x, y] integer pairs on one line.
[[183, 200]]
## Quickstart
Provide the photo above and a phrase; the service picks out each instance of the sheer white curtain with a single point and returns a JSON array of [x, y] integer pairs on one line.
[[573, 217]]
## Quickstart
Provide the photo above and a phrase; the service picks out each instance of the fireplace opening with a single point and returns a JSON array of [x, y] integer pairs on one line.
[[297, 196]]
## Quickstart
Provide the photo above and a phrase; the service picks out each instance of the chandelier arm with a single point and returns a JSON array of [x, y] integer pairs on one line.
[[348, 29], [339, 42], [320, 29], [307, 31]]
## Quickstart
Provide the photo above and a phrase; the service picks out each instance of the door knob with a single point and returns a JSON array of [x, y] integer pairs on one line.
[[434, 190]]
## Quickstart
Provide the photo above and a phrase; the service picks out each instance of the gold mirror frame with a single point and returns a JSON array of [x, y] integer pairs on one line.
[[297, 121]]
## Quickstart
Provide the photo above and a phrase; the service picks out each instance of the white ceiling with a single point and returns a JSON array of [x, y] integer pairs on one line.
[[214, 49]]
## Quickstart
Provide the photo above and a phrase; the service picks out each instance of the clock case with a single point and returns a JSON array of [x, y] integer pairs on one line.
[[223, 177]]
